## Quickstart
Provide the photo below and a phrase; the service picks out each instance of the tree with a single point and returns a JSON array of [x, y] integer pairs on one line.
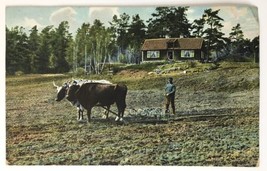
[[169, 22], [236, 40], [60, 42], [34, 43], [81, 44], [11, 51], [255, 44], [45, 50], [158, 24], [100, 39], [198, 27], [120, 26], [137, 35], [213, 35], [178, 23], [237, 34], [17, 51]]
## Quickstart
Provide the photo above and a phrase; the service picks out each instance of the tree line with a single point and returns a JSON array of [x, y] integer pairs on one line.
[[56, 50]]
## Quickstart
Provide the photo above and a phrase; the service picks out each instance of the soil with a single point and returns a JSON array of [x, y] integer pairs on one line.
[[216, 124]]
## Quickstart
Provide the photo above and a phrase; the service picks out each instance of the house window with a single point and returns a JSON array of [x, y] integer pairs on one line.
[[187, 53], [153, 54]]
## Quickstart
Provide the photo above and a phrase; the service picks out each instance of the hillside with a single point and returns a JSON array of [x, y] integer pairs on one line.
[[226, 76]]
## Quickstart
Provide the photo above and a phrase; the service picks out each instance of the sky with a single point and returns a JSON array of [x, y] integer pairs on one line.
[[42, 16]]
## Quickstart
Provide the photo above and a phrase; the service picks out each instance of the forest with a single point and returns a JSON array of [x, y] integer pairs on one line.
[[55, 50]]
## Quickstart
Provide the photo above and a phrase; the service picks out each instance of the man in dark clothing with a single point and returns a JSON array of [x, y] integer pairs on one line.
[[170, 95]]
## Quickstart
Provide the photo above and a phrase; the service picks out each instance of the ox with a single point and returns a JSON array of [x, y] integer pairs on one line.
[[62, 92], [101, 94]]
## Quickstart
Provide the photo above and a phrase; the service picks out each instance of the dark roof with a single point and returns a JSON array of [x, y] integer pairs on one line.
[[179, 43]]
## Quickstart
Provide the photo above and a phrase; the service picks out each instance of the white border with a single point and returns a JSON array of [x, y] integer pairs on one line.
[[262, 9]]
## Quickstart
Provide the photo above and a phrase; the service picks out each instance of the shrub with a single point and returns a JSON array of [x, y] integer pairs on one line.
[[19, 73], [79, 72], [191, 64]]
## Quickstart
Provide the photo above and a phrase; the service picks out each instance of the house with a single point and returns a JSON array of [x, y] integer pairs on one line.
[[173, 49]]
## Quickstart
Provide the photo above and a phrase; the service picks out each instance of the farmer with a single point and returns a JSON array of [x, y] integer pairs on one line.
[[170, 95]]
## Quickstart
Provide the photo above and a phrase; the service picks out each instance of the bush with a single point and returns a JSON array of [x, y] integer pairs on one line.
[[191, 64], [79, 72], [19, 73]]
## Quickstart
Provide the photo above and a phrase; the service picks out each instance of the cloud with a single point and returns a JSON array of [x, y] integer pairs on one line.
[[63, 14], [238, 12], [30, 22], [190, 11], [104, 14], [233, 15], [233, 12]]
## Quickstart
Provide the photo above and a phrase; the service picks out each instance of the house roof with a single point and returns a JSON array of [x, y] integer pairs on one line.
[[182, 43]]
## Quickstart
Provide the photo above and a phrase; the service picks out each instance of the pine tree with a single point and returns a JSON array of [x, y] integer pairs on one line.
[[121, 25], [198, 27], [169, 22], [45, 50], [34, 43], [60, 42], [237, 34], [213, 34], [17, 51], [137, 35]]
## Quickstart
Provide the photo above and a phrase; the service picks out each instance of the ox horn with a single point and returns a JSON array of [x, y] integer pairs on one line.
[[55, 84]]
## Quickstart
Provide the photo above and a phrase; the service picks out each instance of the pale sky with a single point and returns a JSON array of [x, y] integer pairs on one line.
[[42, 16]]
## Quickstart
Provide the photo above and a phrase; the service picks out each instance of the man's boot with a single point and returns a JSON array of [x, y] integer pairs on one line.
[[173, 111], [167, 109]]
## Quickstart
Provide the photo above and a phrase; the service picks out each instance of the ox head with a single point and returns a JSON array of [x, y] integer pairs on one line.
[[71, 92], [61, 91]]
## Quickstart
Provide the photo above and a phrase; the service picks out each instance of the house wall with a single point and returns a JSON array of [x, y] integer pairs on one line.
[[176, 53], [162, 56], [197, 55]]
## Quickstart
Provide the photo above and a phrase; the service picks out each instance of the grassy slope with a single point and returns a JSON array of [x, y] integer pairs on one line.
[[41, 131]]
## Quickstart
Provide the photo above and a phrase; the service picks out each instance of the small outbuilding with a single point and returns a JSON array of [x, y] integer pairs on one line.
[[173, 49]]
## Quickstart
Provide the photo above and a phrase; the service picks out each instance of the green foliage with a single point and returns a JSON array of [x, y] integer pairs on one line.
[[79, 72], [191, 64], [237, 34], [122, 58], [212, 34], [169, 21], [17, 51], [19, 73], [120, 25], [137, 33], [44, 50], [198, 27], [60, 41]]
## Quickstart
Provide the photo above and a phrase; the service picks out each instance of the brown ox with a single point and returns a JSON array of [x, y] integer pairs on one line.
[[101, 94], [62, 92]]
